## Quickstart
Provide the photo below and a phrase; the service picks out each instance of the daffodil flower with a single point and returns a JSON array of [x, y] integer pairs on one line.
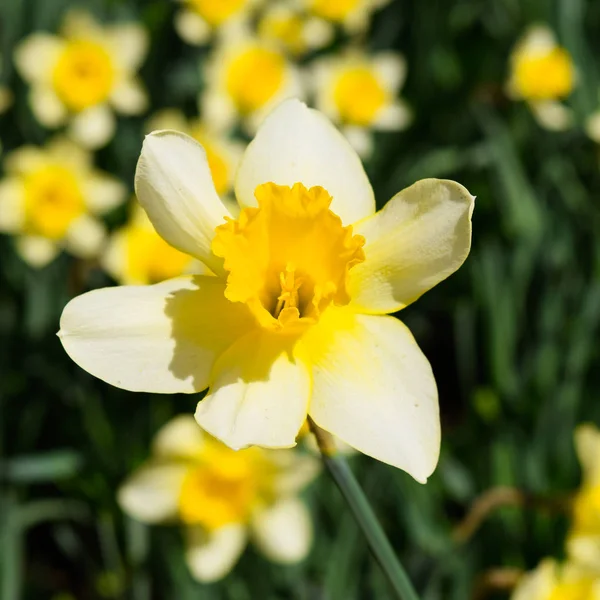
[[352, 15], [222, 498], [246, 77], [197, 21], [542, 73], [293, 322], [81, 76], [583, 542], [551, 581], [51, 199], [360, 93]]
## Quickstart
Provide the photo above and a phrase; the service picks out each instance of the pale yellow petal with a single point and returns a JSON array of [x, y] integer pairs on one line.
[[93, 127], [174, 184], [162, 338], [283, 532], [12, 205], [151, 494], [210, 556], [587, 446], [129, 43], [36, 251], [85, 237], [36, 56], [298, 144], [47, 106], [191, 27], [258, 394], [103, 193], [418, 239], [180, 438], [374, 389], [538, 584], [129, 97]]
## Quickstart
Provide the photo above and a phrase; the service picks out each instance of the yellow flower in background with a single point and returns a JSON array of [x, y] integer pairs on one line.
[[583, 542], [198, 20], [292, 29], [246, 77], [360, 93], [542, 73], [551, 581], [223, 154], [352, 15], [137, 255], [223, 498], [294, 320], [50, 199], [80, 77]]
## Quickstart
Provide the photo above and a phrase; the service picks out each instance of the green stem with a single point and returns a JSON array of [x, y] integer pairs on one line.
[[364, 515]]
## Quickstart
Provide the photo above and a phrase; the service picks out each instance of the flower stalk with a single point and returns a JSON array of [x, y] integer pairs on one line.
[[364, 515]]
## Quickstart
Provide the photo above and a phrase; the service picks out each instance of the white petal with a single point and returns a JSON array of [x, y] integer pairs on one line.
[[85, 237], [12, 205], [298, 144], [295, 470], [129, 97], [217, 109], [93, 127], [191, 27], [103, 193], [162, 338], [374, 389], [181, 437], [36, 56], [129, 42], [539, 583], [210, 556], [47, 106], [36, 251], [151, 494], [283, 532], [258, 395], [584, 550], [418, 239], [174, 185]]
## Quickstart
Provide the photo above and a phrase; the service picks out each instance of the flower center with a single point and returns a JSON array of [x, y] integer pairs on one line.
[[544, 76], [288, 259], [84, 75], [216, 13], [334, 10], [53, 199], [254, 77], [224, 487], [359, 96]]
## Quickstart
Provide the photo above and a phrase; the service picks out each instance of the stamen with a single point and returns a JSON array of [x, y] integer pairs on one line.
[[290, 284]]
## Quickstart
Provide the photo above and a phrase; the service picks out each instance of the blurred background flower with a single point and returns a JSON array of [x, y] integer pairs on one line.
[[223, 497], [79, 77]]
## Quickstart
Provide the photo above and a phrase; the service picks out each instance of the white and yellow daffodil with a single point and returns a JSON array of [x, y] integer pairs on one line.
[[50, 199], [80, 77], [583, 542], [222, 153], [198, 20], [137, 255], [294, 320], [246, 78], [542, 73], [292, 29], [360, 93], [352, 15], [552, 581], [223, 497]]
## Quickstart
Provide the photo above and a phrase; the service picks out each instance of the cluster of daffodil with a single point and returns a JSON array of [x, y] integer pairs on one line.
[[578, 577]]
